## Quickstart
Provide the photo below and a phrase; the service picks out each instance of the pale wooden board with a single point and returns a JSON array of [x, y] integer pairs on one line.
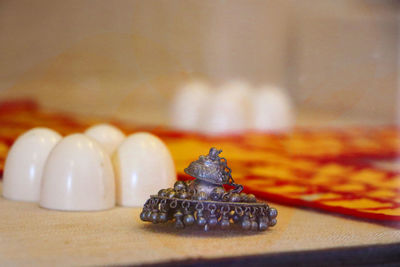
[[30, 235]]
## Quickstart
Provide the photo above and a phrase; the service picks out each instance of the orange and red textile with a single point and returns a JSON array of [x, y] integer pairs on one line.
[[327, 169]]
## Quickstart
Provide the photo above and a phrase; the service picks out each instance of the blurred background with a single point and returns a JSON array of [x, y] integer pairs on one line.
[[337, 59]]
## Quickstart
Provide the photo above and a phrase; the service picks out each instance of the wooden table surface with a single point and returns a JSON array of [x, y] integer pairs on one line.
[[30, 235]]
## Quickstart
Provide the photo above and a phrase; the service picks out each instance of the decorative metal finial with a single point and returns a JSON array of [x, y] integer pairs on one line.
[[205, 202]]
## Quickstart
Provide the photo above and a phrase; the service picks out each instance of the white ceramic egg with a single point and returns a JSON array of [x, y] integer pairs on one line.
[[24, 164], [187, 105], [78, 176], [227, 110], [271, 110], [109, 136], [143, 165]]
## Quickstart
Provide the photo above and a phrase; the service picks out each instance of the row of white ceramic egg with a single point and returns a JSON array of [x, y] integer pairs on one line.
[[233, 108], [90, 171]]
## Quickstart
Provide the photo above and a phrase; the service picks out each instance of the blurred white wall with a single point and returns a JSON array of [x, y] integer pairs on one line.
[[125, 58], [345, 59]]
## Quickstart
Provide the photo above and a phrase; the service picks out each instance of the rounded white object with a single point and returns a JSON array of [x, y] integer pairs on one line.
[[271, 110], [78, 176], [143, 165], [227, 110], [187, 106], [24, 164], [109, 136]]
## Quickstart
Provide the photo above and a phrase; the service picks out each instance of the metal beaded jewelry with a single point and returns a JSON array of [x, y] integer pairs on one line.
[[205, 202]]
